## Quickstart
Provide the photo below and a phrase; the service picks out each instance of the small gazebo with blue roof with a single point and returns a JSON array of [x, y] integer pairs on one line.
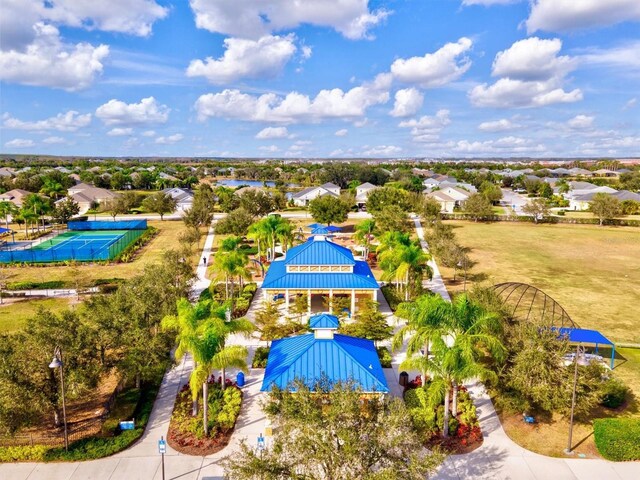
[[324, 354]]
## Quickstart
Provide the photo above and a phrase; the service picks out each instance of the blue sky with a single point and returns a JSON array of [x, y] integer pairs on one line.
[[320, 78]]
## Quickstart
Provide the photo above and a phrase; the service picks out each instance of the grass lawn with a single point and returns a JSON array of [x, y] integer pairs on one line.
[[15, 312], [166, 239], [578, 214], [592, 271]]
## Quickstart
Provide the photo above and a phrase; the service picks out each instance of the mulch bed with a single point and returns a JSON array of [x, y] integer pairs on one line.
[[189, 445], [454, 445]]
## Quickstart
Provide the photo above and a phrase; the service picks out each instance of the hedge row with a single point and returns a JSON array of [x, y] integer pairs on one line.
[[552, 219], [618, 439]]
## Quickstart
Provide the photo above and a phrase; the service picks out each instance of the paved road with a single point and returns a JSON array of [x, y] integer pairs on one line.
[[511, 199]]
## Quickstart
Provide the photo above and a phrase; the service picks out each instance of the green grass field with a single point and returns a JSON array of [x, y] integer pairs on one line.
[[14, 315], [593, 272]]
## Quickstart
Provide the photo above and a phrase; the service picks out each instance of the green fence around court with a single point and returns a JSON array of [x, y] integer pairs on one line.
[[123, 242]]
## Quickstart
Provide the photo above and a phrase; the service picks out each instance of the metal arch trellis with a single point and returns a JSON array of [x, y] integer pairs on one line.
[[523, 300]]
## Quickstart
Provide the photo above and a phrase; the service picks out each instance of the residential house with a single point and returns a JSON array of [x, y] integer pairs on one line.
[[182, 196], [303, 197], [86, 195], [15, 196], [447, 203], [362, 193], [7, 172], [458, 195]]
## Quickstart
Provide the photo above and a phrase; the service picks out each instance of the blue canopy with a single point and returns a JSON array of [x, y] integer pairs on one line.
[[318, 229], [582, 335], [4, 230]]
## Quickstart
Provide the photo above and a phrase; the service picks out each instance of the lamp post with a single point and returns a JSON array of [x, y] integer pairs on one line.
[[57, 363], [227, 315], [579, 350]]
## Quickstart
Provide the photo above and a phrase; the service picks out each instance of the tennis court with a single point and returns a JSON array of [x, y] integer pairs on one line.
[[84, 241]]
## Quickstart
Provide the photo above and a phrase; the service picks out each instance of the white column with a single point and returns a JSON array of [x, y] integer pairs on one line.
[[330, 301], [265, 296], [286, 301], [309, 302], [353, 303], [375, 295]]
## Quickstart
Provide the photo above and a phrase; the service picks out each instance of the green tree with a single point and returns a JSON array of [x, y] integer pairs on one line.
[[605, 207], [272, 228], [341, 437], [257, 202], [52, 188], [430, 209], [477, 206], [7, 209], [119, 205], [406, 266], [36, 204], [65, 210], [383, 197], [491, 192], [235, 223], [369, 323], [230, 266], [545, 190], [391, 218], [329, 209], [160, 203], [538, 208]]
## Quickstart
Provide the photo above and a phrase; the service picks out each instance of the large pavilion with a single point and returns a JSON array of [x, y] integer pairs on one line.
[[318, 268]]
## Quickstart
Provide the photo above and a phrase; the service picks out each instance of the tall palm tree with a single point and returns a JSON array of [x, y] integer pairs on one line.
[[405, 264], [460, 333], [364, 234], [7, 209], [272, 229], [36, 204], [258, 234], [229, 266]]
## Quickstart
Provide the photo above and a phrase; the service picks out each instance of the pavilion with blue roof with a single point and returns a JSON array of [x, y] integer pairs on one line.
[[324, 354], [320, 267]]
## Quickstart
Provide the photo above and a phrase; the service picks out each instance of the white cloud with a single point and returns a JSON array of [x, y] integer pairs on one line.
[[342, 132], [502, 146], [243, 58], [382, 151], [434, 69], [625, 57], [269, 149], [116, 112], [19, 143], [408, 102], [171, 139], [427, 128], [48, 62], [580, 122], [533, 59], [630, 104], [63, 122], [295, 107], [272, 132], [306, 51], [256, 18], [533, 75], [53, 140], [120, 132], [149, 133], [337, 153], [567, 15], [134, 17], [498, 125]]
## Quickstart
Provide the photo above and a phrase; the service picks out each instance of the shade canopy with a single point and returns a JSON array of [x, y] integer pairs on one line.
[[582, 335]]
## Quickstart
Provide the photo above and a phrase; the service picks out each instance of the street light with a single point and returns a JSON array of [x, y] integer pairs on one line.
[[57, 363], [227, 315], [579, 351]]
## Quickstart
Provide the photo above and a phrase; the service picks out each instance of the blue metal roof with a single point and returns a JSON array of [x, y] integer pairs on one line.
[[581, 335], [324, 320], [319, 251], [340, 359], [277, 278]]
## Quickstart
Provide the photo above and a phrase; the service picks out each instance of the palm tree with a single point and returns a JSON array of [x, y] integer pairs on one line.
[[52, 189], [364, 233], [405, 264], [229, 266], [271, 229], [257, 233], [460, 333], [7, 209], [36, 204]]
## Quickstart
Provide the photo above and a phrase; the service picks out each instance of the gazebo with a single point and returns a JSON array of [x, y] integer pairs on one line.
[[324, 354], [320, 267], [590, 337]]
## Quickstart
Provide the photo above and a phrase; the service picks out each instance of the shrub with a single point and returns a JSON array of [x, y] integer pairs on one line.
[[35, 285], [250, 288], [392, 296], [618, 439], [385, 357], [260, 357], [35, 453], [614, 393]]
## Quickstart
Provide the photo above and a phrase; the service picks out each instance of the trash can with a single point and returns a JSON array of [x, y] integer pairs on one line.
[[240, 379], [404, 379]]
